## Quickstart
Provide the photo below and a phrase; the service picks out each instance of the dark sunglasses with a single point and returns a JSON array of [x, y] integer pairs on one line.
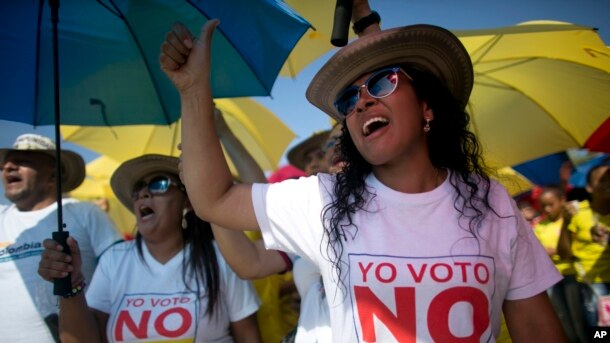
[[379, 85], [157, 185]]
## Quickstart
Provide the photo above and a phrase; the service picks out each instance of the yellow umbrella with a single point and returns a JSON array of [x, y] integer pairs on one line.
[[315, 42], [263, 134], [540, 87], [97, 187], [513, 181]]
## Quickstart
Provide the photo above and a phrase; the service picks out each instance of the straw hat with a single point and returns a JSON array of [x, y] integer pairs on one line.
[[72, 164], [296, 155], [131, 171], [427, 47]]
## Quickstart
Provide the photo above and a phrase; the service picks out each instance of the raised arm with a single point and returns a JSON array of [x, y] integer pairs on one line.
[[248, 170], [250, 260], [186, 61]]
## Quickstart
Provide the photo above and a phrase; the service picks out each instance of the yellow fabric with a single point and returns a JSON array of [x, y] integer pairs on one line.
[[262, 133], [548, 234], [314, 43], [513, 181], [504, 336], [97, 186], [524, 88], [274, 319], [594, 257]]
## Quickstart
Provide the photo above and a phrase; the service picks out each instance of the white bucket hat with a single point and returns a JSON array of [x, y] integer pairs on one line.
[[72, 164]]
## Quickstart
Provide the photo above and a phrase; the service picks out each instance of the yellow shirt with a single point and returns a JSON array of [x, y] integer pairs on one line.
[[594, 257], [275, 318], [548, 233]]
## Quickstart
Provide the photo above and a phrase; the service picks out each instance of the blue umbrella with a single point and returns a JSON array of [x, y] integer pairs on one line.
[[108, 56], [95, 62]]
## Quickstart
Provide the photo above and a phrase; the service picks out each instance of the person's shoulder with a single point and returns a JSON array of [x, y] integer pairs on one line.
[[120, 249], [75, 203], [4, 208]]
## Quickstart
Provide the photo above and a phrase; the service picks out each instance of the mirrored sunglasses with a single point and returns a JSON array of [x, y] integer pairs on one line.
[[157, 185], [379, 85]]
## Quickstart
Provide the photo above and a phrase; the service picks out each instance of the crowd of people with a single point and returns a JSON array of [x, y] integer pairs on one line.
[[386, 227], [573, 226]]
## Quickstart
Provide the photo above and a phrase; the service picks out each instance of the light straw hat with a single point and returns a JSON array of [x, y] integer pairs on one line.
[[426, 47], [131, 171], [297, 154]]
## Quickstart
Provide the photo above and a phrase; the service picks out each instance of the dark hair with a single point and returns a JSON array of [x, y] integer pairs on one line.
[[451, 146], [554, 189], [200, 261], [594, 169]]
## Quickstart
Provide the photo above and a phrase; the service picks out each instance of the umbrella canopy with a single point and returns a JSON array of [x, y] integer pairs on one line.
[[514, 182], [260, 131], [540, 88], [97, 187], [108, 56], [600, 139], [316, 41]]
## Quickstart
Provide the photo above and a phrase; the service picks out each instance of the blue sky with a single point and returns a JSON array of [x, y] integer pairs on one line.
[[288, 95]]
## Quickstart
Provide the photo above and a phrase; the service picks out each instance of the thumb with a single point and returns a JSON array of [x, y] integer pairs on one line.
[[208, 29]]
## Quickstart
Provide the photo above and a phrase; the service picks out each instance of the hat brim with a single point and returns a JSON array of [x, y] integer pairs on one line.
[[427, 47], [127, 174], [72, 166], [297, 155]]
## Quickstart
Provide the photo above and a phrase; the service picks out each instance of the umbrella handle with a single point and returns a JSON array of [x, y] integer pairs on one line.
[[343, 15], [62, 286]]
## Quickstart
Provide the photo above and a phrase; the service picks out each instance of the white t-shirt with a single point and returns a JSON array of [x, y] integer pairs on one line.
[[25, 297], [314, 316], [409, 269], [148, 301]]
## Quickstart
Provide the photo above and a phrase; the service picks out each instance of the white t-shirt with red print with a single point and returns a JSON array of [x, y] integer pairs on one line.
[[148, 301], [412, 270]]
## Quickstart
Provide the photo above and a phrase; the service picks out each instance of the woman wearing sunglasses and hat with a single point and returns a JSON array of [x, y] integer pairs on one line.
[[170, 283], [413, 240]]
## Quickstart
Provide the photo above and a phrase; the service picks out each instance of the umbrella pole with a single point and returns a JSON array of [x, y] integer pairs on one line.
[[61, 286]]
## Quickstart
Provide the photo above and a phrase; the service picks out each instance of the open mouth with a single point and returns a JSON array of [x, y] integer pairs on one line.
[[373, 125], [12, 179], [145, 211]]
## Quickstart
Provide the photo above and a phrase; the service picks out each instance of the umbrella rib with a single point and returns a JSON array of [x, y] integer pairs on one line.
[[549, 114], [109, 8], [486, 48], [509, 65], [120, 15]]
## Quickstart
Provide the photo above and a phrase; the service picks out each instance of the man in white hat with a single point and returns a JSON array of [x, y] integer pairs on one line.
[[28, 175]]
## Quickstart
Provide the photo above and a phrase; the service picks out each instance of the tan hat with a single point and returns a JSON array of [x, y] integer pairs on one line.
[[129, 172], [296, 155], [72, 164], [427, 47]]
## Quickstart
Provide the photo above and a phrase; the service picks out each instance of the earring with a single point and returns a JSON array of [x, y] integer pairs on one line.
[[184, 222], [427, 126]]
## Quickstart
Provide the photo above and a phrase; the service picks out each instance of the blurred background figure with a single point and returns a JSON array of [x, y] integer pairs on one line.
[[309, 155], [584, 238], [564, 295]]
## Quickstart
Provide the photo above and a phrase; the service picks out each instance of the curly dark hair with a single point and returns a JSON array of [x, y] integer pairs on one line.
[[200, 261], [451, 146]]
